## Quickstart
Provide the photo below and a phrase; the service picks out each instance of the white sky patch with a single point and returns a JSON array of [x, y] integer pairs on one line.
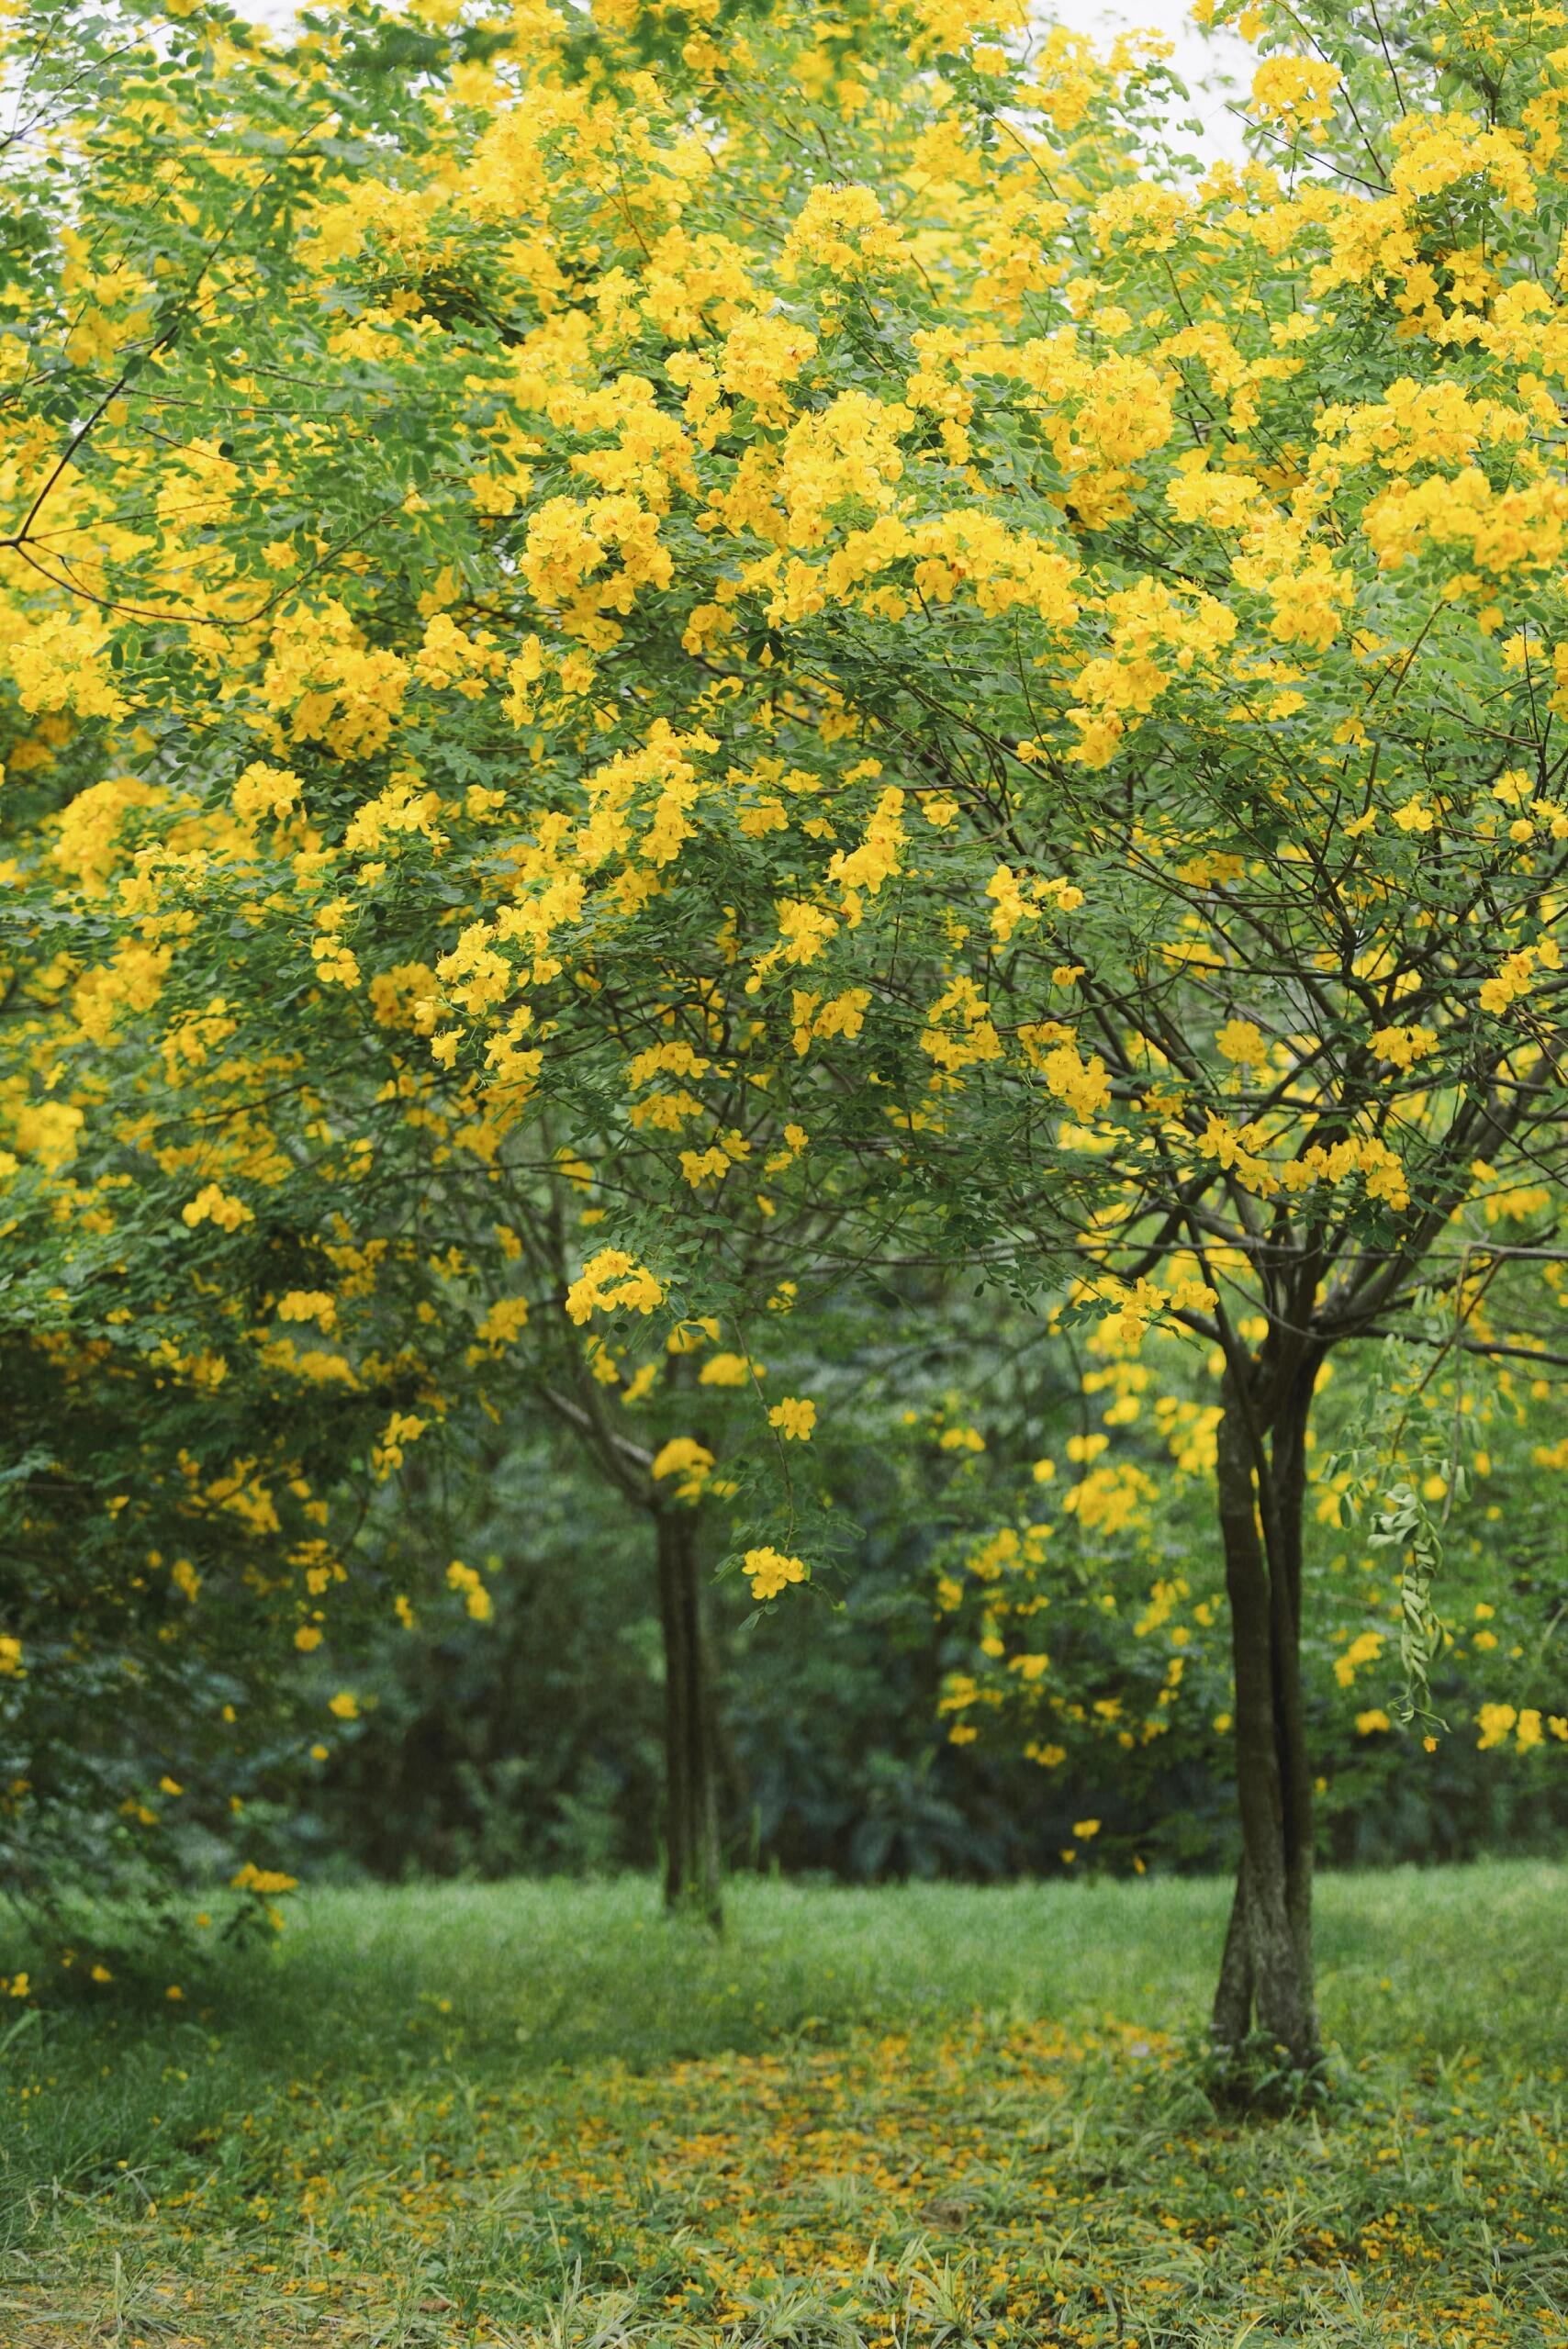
[[1216, 67]]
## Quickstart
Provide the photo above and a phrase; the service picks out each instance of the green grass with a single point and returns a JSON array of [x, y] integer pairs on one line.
[[539, 2114]]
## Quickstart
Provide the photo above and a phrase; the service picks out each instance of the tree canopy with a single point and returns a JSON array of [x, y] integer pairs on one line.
[[780, 624]]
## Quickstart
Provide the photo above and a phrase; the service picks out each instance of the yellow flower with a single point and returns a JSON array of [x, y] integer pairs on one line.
[[1243, 1044], [609, 1281], [309, 1305], [504, 1321], [1403, 1046], [794, 1417], [345, 1705], [682, 1456], [476, 1597], [1363, 1650], [1295, 89], [213, 1205], [268, 1881], [770, 1570]]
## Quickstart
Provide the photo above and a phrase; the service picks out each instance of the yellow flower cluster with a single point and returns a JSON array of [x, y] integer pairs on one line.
[[771, 1571], [613, 1281]]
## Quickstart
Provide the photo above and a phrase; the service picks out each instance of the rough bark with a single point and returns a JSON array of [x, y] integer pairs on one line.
[[1267, 1974], [1288, 1467], [693, 1877], [1233, 1997]]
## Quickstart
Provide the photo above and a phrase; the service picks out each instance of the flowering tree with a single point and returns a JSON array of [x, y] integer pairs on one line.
[[657, 1421], [780, 599], [1092, 1611]]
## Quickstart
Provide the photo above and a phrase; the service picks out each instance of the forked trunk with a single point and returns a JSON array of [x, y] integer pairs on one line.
[[693, 1880], [1266, 1974]]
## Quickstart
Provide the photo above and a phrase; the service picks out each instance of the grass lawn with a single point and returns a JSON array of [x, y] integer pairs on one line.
[[524, 2113]]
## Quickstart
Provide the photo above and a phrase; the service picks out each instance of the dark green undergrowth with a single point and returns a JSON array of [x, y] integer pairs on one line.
[[524, 2113]]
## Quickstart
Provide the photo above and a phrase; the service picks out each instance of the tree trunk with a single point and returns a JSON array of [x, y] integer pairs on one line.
[[1232, 1998], [1285, 1549], [692, 1871], [1266, 1974]]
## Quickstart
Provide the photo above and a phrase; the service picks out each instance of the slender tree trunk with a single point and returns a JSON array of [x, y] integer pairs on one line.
[[1266, 1973], [692, 1869], [1232, 1998], [1285, 1547]]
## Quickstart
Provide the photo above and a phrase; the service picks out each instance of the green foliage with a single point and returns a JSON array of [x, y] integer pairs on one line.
[[650, 660], [531, 1740]]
